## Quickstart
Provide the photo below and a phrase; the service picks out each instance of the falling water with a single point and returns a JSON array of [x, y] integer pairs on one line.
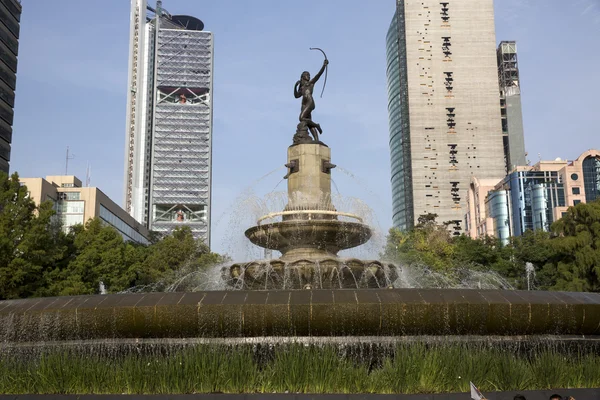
[[530, 274], [348, 270], [423, 276], [250, 207]]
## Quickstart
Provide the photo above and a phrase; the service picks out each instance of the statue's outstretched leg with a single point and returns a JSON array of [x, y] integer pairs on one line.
[[314, 128]]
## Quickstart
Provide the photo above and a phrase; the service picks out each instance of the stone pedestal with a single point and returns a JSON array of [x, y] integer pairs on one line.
[[309, 177], [309, 235]]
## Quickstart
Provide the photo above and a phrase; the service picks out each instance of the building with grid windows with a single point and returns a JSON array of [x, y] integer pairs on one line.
[[169, 121], [531, 197], [10, 17], [444, 119], [75, 205]]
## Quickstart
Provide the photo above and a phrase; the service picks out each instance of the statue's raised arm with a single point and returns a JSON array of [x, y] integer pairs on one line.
[[318, 75]]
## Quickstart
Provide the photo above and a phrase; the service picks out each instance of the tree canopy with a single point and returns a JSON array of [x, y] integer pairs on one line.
[[37, 258], [567, 258]]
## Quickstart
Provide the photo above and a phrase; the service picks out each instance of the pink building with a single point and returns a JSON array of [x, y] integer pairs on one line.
[[531, 197]]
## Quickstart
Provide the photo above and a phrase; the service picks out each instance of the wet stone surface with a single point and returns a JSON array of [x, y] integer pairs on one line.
[[306, 313]]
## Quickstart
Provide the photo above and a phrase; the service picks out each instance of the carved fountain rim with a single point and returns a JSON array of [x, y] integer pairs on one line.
[[309, 213]]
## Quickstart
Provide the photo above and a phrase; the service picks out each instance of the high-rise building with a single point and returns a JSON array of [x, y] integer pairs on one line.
[[10, 17], [443, 106], [168, 145], [510, 105]]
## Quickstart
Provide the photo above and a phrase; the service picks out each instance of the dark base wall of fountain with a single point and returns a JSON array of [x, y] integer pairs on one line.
[[308, 313]]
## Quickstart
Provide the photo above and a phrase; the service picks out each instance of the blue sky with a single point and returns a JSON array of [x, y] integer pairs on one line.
[[72, 85]]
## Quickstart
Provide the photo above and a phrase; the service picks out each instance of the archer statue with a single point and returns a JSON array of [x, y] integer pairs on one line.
[[304, 88]]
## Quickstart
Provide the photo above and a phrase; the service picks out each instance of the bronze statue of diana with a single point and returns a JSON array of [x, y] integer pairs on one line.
[[304, 88]]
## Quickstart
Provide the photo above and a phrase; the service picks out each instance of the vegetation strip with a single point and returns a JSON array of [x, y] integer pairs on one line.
[[530, 395], [406, 368]]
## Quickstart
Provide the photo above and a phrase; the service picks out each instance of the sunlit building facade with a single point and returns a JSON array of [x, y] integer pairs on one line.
[[532, 197], [444, 118], [168, 160], [527, 199], [76, 205]]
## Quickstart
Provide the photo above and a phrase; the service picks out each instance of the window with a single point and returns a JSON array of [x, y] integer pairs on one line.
[[71, 195], [574, 177], [179, 213], [68, 220], [127, 231], [576, 190], [71, 207], [575, 202], [591, 178], [70, 212]]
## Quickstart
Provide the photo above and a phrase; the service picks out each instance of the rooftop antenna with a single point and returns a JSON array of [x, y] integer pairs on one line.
[[67, 158], [88, 175]]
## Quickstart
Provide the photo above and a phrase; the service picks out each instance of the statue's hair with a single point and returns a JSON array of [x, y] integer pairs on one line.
[[304, 72]]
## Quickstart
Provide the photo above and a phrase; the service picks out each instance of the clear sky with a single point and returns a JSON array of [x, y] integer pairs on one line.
[[72, 87]]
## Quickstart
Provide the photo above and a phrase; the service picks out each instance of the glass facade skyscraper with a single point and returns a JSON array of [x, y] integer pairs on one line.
[[10, 17], [399, 123], [168, 161]]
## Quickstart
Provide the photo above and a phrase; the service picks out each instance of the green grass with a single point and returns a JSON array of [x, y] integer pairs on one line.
[[407, 368]]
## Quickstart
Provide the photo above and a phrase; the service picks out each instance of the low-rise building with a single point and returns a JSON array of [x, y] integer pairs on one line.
[[477, 223], [527, 199], [531, 197], [75, 204]]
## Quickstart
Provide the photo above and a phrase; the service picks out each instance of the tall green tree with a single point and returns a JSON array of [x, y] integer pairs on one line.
[[31, 241], [577, 264], [535, 247], [427, 244], [178, 252], [100, 256]]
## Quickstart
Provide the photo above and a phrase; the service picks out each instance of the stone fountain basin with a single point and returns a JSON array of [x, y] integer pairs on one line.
[[320, 236], [321, 273], [300, 313]]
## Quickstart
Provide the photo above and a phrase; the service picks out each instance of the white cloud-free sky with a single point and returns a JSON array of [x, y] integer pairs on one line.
[[72, 87]]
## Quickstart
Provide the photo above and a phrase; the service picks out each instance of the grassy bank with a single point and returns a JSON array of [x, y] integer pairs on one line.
[[411, 368]]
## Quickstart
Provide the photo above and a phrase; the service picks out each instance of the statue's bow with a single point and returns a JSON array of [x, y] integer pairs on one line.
[[326, 67]]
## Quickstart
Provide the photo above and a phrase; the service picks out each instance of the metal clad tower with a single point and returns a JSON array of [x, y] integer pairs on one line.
[[510, 105], [443, 107], [169, 121]]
